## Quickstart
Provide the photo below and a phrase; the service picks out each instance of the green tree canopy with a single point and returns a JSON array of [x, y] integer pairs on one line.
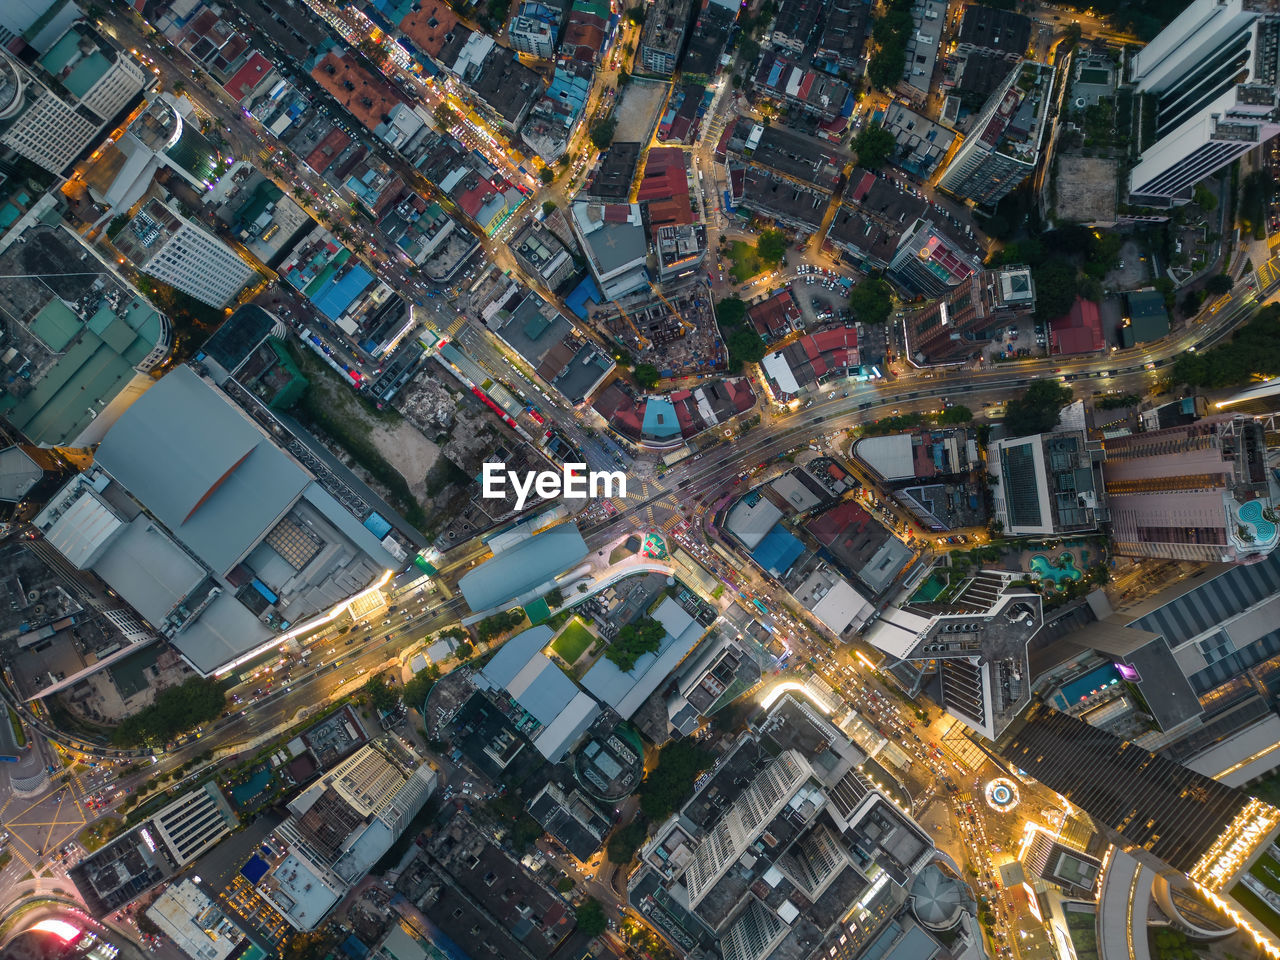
[[602, 132], [731, 310], [1253, 351], [635, 640], [1056, 288], [646, 376], [1219, 284], [546, 175], [175, 711], [772, 247], [670, 783], [956, 414], [745, 346], [417, 688], [591, 918], [1036, 411], [627, 841], [874, 146], [871, 300], [381, 697]]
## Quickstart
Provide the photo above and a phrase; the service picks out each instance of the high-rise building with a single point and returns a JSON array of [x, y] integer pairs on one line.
[[957, 325], [928, 262], [1212, 75], [1002, 148], [66, 97], [971, 652], [340, 826], [1192, 492], [35, 23], [1183, 825], [1046, 484], [174, 250], [742, 823], [663, 36]]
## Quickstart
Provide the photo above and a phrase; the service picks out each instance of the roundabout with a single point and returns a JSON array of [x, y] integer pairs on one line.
[[1002, 794]]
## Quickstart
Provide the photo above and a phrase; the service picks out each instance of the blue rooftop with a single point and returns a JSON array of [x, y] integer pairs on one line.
[[577, 301], [660, 420], [255, 869], [337, 295], [777, 551]]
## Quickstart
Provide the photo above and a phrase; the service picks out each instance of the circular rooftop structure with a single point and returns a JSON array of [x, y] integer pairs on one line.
[[1002, 794], [11, 86], [937, 899]]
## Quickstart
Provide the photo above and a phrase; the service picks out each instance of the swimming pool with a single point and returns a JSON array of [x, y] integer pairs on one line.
[[245, 792], [1264, 531], [1091, 682], [1043, 567]]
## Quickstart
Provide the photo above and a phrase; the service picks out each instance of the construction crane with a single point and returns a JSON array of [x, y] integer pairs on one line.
[[685, 327], [641, 342]]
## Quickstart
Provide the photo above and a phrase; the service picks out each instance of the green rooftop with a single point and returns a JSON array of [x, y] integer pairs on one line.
[[97, 362], [86, 70]]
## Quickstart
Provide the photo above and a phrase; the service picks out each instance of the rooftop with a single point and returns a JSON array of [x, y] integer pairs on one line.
[[523, 567]]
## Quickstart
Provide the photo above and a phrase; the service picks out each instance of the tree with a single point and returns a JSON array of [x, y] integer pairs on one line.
[[419, 685], [1205, 198], [627, 841], [635, 640], [646, 376], [956, 414], [591, 918], [772, 247], [175, 711], [307, 945], [464, 650], [1036, 411], [499, 624], [874, 146], [871, 301], [1254, 349], [554, 597], [670, 783], [1056, 288], [548, 206], [445, 116], [381, 697], [623, 78], [635, 15], [731, 311], [547, 175], [1219, 284], [1073, 34], [147, 925], [745, 346], [602, 132]]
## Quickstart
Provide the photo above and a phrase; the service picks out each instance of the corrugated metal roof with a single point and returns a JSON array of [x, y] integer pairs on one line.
[[201, 468], [523, 567]]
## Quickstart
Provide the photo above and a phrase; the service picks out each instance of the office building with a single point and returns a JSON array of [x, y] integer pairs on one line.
[[1046, 484], [339, 827], [35, 23], [1001, 32], [1200, 665], [1191, 829], [175, 251], [969, 654], [193, 824], [1212, 74], [1003, 146], [83, 341], [67, 96], [744, 821], [521, 676], [1192, 492], [662, 38], [959, 324], [612, 236], [787, 849], [928, 262], [532, 35]]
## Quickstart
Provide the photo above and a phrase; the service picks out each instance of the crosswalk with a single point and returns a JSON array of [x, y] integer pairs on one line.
[[1268, 272], [457, 325]]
